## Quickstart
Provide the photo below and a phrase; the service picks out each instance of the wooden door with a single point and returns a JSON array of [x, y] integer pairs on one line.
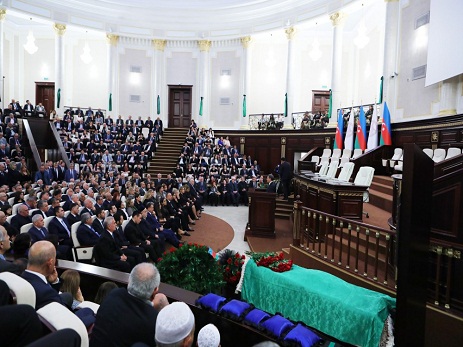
[[320, 100], [45, 94], [180, 106]]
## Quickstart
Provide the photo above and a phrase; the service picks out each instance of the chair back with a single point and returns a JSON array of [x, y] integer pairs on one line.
[[397, 154], [47, 221], [315, 159], [25, 228], [14, 209], [326, 153], [74, 228], [346, 153], [346, 172], [323, 170], [57, 317], [357, 153], [452, 152], [125, 222], [439, 155], [364, 178], [429, 152], [22, 291], [336, 153], [332, 170]]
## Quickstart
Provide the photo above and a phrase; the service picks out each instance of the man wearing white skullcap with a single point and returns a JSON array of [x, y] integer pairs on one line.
[[209, 336], [175, 326]]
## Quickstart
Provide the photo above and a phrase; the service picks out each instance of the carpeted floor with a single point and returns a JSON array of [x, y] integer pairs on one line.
[[211, 231]]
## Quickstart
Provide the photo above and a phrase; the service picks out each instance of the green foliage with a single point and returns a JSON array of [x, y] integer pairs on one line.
[[191, 267]]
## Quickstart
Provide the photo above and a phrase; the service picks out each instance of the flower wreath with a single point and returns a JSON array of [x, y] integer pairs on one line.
[[273, 260]]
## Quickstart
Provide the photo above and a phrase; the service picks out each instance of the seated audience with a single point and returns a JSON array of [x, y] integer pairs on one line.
[[175, 326]]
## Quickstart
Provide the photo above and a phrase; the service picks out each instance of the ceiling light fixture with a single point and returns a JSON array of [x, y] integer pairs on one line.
[[362, 39], [30, 45]]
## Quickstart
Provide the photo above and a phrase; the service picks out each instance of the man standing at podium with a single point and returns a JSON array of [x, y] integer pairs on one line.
[[285, 176]]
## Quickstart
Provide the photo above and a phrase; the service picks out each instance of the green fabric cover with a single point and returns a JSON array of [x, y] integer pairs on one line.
[[349, 313]]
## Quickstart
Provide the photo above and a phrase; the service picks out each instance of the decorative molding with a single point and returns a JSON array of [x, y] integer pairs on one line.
[[246, 41], [338, 18], [60, 29], [2, 13], [159, 45], [112, 39], [204, 45], [290, 32]]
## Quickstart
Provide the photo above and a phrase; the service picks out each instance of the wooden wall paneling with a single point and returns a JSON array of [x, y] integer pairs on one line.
[[446, 215]]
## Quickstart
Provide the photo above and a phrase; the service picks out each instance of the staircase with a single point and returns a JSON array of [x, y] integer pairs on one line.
[[381, 192], [283, 208], [165, 159]]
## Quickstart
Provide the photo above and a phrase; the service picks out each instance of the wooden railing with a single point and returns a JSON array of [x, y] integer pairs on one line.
[[361, 249], [369, 252]]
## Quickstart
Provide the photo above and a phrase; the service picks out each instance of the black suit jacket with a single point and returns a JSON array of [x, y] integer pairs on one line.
[[56, 228], [107, 250], [44, 293], [122, 320], [86, 236], [98, 226], [133, 234], [72, 219]]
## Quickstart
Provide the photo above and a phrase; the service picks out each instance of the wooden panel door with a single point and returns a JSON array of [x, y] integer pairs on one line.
[[320, 101], [45, 94], [179, 106]]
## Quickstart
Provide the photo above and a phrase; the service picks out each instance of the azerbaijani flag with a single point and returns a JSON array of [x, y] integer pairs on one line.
[[386, 127], [362, 131], [339, 131]]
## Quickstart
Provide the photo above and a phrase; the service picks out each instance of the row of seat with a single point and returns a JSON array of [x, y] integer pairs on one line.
[[338, 155], [437, 155]]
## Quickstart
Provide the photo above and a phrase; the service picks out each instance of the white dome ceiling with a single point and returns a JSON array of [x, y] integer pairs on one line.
[[178, 19]]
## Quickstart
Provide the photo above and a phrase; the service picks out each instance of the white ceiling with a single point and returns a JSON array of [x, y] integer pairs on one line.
[[176, 19]]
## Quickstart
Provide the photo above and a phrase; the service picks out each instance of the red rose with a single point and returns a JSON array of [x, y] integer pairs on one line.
[[243, 257], [237, 263], [229, 260], [237, 255]]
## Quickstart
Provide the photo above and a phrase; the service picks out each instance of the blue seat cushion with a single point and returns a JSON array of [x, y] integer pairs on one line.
[[255, 317], [235, 309], [277, 325], [301, 336], [211, 302]]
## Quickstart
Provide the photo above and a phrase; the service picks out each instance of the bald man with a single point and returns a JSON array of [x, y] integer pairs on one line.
[[41, 273]]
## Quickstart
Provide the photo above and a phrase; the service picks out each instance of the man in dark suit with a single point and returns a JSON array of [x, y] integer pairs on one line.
[[71, 174], [285, 176], [107, 253], [98, 222], [28, 108], [73, 216], [86, 234], [5, 245], [129, 315], [137, 238], [42, 209], [271, 185], [59, 226], [88, 207], [42, 260], [233, 191], [21, 218]]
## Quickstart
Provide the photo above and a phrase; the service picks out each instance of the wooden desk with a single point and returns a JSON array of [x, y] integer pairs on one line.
[[343, 199]]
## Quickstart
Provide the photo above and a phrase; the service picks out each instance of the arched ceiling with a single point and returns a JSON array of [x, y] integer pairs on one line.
[[178, 19]]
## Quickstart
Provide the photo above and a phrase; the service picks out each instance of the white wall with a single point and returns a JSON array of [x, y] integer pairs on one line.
[[225, 87], [131, 83]]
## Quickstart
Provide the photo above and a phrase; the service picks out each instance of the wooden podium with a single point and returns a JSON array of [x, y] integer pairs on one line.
[[261, 219]]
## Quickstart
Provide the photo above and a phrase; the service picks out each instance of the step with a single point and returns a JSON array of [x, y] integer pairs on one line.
[[386, 180], [381, 200], [383, 188]]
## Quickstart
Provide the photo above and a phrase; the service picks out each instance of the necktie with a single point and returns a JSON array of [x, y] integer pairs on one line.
[[91, 228], [65, 227], [43, 234]]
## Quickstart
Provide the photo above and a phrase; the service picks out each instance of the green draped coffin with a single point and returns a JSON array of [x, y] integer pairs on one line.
[[347, 312]]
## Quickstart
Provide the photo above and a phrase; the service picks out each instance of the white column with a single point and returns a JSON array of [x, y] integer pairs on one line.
[[337, 19], [112, 41], [156, 84], [204, 46], [245, 78], [391, 41], [448, 97], [2, 17], [290, 70], [60, 30]]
